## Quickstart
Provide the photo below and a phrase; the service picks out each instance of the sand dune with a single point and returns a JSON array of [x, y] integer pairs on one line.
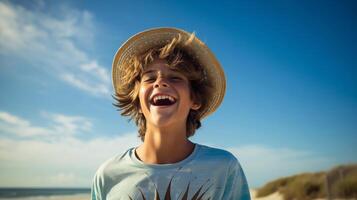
[[277, 196], [274, 196]]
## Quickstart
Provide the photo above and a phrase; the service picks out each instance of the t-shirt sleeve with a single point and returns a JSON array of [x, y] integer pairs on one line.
[[236, 186], [97, 192]]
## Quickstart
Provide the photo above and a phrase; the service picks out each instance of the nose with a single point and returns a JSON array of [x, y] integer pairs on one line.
[[161, 82]]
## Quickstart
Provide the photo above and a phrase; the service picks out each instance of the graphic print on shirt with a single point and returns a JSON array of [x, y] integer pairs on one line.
[[198, 195]]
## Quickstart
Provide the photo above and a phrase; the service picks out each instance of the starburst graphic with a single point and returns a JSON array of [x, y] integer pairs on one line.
[[199, 195]]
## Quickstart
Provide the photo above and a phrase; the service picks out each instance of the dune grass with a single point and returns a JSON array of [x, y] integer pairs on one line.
[[340, 182]]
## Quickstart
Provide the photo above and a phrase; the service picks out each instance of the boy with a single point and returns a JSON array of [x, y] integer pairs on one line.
[[167, 80]]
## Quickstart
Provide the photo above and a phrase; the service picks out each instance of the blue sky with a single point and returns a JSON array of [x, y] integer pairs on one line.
[[291, 69]]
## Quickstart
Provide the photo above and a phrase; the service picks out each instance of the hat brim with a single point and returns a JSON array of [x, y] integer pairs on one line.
[[143, 41]]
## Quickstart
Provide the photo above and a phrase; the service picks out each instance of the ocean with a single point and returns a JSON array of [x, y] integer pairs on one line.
[[44, 193]]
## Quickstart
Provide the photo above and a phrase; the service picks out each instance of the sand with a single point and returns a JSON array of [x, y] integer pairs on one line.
[[274, 196], [59, 197]]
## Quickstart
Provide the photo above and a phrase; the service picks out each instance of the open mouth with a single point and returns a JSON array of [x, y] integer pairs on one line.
[[162, 100]]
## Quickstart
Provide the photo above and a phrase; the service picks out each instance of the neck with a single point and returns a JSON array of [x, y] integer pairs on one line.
[[163, 145]]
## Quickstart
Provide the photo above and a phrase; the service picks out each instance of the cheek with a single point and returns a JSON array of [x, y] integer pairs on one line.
[[143, 93], [186, 92]]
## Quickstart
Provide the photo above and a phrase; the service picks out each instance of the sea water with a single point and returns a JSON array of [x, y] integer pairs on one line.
[[44, 193]]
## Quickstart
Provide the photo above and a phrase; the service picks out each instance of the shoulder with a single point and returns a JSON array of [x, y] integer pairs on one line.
[[106, 168], [108, 173], [217, 154]]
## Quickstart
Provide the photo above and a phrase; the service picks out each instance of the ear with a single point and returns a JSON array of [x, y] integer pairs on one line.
[[196, 106]]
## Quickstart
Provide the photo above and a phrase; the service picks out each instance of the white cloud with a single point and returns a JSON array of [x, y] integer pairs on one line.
[[15, 125], [66, 162], [69, 124], [56, 44], [85, 85], [61, 126], [11, 119], [61, 161], [263, 164], [95, 70]]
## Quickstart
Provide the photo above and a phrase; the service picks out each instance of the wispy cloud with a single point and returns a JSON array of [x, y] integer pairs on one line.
[[58, 161], [61, 125], [20, 127], [68, 124], [14, 120], [56, 44]]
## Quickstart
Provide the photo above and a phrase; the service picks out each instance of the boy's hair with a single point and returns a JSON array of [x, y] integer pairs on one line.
[[127, 96]]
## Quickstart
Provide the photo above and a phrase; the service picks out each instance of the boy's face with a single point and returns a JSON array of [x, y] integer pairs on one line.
[[164, 96]]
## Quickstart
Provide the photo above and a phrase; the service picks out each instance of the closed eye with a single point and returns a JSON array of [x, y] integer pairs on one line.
[[176, 78], [148, 79]]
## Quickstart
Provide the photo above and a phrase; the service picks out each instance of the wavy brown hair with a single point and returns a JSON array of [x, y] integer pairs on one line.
[[127, 95]]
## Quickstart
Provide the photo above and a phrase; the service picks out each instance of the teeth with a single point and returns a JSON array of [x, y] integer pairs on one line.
[[163, 97]]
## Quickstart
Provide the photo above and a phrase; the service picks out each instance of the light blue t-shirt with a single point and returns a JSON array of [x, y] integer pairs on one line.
[[207, 173]]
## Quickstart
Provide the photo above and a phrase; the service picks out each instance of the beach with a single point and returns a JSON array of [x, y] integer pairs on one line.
[[274, 196], [54, 197]]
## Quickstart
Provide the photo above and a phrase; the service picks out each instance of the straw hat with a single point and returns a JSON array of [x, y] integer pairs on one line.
[[157, 37]]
